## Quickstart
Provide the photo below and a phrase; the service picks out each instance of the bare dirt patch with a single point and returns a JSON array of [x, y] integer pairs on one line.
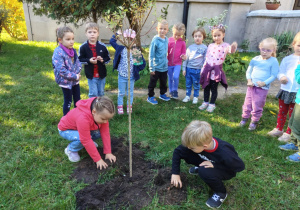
[[121, 191]]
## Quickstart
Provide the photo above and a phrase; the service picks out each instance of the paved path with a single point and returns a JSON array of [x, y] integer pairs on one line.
[[275, 86]]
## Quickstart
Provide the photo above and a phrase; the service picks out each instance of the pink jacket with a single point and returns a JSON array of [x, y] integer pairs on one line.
[[81, 119], [175, 50]]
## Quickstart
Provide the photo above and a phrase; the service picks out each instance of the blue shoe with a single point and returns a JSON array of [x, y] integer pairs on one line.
[[294, 157], [171, 94], [152, 100], [175, 94], [289, 147], [164, 97]]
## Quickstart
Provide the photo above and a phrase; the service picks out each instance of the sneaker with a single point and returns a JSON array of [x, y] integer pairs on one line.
[[194, 170], [203, 106], [211, 108], [120, 109], [73, 156], [252, 126], [275, 133], [294, 157], [171, 94], [152, 100], [175, 94], [186, 99], [243, 122], [216, 200], [165, 97], [289, 147], [128, 109], [195, 100], [285, 137]]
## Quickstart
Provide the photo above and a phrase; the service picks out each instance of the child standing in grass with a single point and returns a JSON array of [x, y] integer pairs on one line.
[[85, 123], [294, 122], [94, 55], [262, 71], [192, 65], [212, 73], [176, 52], [214, 160], [158, 63], [67, 67], [120, 63], [287, 92]]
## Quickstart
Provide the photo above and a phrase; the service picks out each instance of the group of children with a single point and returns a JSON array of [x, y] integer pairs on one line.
[[214, 160]]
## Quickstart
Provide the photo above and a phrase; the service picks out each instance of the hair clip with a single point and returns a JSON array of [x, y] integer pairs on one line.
[[220, 26]]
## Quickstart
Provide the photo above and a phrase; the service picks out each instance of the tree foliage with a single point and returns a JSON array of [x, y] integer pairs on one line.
[[15, 22]]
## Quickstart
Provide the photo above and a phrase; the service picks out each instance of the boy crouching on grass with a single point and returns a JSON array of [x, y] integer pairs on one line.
[[215, 160]]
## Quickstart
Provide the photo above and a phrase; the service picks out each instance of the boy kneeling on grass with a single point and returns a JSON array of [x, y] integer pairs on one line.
[[215, 160]]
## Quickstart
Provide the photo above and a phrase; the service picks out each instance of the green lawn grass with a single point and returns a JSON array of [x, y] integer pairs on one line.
[[35, 173]]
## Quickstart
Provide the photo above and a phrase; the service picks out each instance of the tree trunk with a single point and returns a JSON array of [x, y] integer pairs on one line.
[[129, 114]]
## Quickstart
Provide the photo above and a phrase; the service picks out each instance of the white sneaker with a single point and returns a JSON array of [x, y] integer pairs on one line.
[[195, 100], [186, 99], [285, 137], [275, 132], [73, 156], [203, 106]]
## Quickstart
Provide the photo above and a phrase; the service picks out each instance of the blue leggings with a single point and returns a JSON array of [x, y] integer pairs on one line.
[[173, 73]]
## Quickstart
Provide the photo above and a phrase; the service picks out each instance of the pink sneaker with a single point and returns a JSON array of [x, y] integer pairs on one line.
[[120, 109], [285, 137], [128, 109]]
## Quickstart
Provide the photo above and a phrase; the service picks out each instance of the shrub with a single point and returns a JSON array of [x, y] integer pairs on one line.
[[284, 47], [234, 63], [3, 19]]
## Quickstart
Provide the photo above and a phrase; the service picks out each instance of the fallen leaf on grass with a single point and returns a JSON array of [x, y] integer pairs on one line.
[[273, 113], [258, 158]]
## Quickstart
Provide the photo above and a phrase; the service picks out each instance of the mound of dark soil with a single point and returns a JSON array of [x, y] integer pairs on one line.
[[148, 180]]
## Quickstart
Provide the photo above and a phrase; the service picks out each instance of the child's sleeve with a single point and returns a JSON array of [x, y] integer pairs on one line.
[[82, 55], [113, 42], [183, 49], [151, 57], [297, 74], [185, 63], [106, 57], [274, 72], [105, 136], [60, 67], [204, 56], [282, 69], [249, 70]]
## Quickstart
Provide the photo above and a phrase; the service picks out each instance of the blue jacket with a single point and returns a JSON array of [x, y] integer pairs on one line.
[[117, 58], [158, 54]]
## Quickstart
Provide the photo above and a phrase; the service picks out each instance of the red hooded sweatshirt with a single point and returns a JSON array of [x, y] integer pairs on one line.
[[81, 119]]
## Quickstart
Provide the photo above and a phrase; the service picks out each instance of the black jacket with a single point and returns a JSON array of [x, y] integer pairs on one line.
[[85, 54]]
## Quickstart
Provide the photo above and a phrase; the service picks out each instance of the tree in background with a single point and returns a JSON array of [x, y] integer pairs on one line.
[[15, 24], [3, 19]]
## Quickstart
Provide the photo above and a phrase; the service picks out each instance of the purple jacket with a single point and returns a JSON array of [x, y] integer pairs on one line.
[[175, 50], [219, 75], [65, 70]]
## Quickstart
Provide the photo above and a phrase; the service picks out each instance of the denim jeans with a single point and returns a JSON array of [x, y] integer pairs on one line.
[[173, 73], [96, 87], [73, 136], [192, 78], [123, 89], [68, 93]]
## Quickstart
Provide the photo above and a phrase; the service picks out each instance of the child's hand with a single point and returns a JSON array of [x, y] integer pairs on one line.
[[99, 58], [101, 164], [183, 57], [261, 84], [176, 181], [284, 80], [78, 76], [250, 83], [233, 47], [93, 60], [207, 164], [183, 73], [152, 72], [110, 157]]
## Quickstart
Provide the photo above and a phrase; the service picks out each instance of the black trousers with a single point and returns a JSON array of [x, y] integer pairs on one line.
[[163, 78], [213, 87]]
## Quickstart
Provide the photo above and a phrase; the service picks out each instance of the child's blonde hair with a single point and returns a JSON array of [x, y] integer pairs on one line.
[[296, 39], [201, 30], [162, 22], [91, 25], [270, 41], [103, 102], [197, 133], [61, 31], [179, 27]]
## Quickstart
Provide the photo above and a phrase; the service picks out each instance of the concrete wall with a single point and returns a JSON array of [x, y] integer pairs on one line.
[[264, 23]]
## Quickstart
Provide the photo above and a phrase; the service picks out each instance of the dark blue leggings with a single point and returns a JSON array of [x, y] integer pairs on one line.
[[68, 93]]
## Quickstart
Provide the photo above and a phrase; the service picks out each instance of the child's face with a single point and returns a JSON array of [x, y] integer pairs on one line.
[[296, 47], [162, 30], [177, 34], [198, 37], [218, 36], [67, 40], [266, 50], [102, 117], [92, 35]]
